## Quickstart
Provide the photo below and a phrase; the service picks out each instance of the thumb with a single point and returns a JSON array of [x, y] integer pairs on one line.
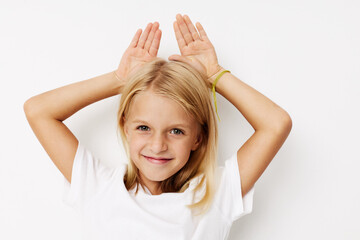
[[176, 57]]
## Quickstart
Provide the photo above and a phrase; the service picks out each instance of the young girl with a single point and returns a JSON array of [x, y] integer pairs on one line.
[[171, 187]]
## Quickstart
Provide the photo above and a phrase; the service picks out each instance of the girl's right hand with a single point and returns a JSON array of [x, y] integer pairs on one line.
[[141, 50]]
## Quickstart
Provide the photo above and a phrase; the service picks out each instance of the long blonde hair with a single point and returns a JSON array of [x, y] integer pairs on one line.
[[188, 87]]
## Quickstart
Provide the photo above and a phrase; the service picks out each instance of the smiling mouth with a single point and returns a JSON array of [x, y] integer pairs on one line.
[[157, 160]]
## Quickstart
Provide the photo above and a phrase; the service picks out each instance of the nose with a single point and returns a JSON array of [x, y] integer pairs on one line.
[[158, 143]]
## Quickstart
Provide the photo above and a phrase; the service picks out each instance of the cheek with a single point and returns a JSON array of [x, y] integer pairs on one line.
[[183, 150], [136, 143], [135, 148]]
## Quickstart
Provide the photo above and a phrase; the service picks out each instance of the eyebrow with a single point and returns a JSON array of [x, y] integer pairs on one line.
[[172, 125]]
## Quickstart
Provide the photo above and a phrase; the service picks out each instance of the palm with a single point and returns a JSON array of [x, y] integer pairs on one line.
[[197, 49], [134, 58], [202, 52], [141, 50]]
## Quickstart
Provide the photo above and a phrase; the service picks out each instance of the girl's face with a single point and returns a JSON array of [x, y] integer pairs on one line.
[[157, 127]]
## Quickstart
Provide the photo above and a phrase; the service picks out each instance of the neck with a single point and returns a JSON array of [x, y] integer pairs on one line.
[[154, 187]]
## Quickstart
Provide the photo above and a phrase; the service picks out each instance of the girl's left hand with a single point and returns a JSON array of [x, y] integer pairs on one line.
[[141, 50], [195, 49]]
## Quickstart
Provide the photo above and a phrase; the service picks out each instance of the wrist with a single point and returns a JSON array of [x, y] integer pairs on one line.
[[119, 81], [213, 77]]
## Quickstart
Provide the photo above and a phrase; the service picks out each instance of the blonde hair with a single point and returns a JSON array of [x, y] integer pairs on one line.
[[188, 87]]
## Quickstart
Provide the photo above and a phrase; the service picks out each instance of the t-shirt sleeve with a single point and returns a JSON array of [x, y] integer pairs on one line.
[[88, 177], [229, 198]]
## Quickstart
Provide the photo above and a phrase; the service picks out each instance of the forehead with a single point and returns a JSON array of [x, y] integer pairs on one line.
[[156, 109]]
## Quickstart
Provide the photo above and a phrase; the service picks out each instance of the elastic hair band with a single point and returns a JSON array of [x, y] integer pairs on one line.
[[213, 89]]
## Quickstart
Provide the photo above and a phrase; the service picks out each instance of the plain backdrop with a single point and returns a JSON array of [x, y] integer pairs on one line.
[[303, 55]]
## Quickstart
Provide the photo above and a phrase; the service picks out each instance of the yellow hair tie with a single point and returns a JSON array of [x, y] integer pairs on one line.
[[213, 89]]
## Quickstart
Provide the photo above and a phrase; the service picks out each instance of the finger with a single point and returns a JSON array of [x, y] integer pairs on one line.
[[190, 25], [155, 44], [184, 29], [202, 32], [179, 37], [150, 38], [174, 57], [135, 39], [144, 36], [179, 58]]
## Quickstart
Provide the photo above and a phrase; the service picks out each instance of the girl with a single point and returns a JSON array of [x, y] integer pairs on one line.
[[171, 187]]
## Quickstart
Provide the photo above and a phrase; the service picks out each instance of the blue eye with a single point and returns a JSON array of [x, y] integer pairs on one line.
[[142, 127], [146, 128], [179, 131]]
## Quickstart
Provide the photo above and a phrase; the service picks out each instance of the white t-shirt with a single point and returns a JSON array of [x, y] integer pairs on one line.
[[111, 212]]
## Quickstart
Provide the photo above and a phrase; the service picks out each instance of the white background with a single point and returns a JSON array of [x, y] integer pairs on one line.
[[303, 55]]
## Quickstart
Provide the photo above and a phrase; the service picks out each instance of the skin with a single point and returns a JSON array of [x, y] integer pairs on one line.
[[143, 48], [46, 112], [272, 124], [157, 136]]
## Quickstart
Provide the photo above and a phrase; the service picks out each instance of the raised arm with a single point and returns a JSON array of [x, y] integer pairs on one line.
[[271, 123], [47, 111]]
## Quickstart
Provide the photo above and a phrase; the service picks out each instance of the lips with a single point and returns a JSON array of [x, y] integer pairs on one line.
[[157, 160]]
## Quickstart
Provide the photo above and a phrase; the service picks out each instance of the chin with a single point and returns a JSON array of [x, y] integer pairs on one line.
[[157, 177]]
